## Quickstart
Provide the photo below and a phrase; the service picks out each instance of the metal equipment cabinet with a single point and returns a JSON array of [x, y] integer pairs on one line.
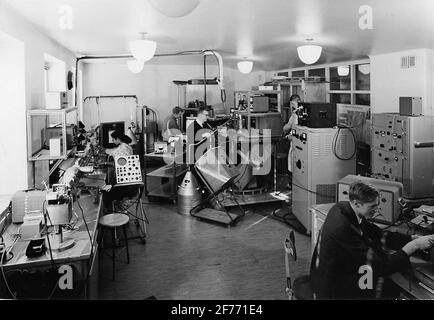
[[319, 214], [172, 172], [316, 167]]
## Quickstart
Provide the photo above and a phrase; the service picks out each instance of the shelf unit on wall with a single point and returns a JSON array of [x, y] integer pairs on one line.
[[259, 120], [55, 127], [186, 89]]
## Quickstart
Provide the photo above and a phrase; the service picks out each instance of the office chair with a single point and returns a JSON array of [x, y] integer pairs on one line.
[[300, 288]]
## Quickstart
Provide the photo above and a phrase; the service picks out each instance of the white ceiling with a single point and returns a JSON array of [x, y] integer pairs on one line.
[[267, 32]]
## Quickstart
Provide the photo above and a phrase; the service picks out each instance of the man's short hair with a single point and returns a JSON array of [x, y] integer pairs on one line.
[[294, 97], [362, 192], [176, 110], [202, 109]]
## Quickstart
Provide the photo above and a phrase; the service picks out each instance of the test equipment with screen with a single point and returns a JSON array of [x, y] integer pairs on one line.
[[106, 130], [389, 208], [317, 115], [128, 169]]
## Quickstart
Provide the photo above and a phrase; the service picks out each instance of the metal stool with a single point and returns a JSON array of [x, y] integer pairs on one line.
[[113, 221]]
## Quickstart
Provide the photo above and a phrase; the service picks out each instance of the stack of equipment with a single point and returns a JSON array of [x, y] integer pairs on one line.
[[401, 151]]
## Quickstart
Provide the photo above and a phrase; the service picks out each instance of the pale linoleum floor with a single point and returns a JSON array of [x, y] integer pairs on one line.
[[188, 259]]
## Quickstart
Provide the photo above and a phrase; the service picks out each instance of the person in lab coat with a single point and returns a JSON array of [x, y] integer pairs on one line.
[[292, 122]]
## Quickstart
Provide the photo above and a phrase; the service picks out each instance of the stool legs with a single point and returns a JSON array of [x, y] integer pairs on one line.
[[126, 243], [113, 250]]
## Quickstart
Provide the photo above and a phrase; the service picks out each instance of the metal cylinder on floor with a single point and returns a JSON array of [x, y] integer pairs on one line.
[[189, 194]]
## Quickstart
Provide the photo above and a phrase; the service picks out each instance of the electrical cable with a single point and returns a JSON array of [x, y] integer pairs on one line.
[[3, 271], [335, 139], [85, 223], [45, 214]]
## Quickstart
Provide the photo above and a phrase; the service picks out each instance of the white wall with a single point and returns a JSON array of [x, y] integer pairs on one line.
[[154, 86], [389, 81], [35, 45], [13, 155]]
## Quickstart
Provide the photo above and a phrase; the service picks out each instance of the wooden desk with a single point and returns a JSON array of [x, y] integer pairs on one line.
[[410, 284], [406, 281], [80, 256]]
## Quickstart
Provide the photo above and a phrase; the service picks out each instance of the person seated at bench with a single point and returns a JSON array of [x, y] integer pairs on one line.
[[348, 242], [112, 194]]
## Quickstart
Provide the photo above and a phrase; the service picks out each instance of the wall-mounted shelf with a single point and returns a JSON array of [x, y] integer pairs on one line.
[[49, 128], [46, 125]]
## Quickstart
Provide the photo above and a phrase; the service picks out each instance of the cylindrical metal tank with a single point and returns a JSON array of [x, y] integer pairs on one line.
[[189, 194]]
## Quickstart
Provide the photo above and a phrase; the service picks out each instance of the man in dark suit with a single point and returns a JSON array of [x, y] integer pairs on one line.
[[348, 243], [198, 133]]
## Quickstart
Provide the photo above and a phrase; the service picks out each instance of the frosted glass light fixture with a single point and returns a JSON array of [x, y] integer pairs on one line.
[[364, 68], [142, 49], [309, 53], [135, 66], [174, 9], [245, 66], [343, 71]]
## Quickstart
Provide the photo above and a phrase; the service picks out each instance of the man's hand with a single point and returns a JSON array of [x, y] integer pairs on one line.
[[206, 135], [424, 242], [419, 243], [106, 187]]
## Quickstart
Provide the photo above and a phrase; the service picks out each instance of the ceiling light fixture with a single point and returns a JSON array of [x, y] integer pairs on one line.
[[143, 49], [364, 68], [174, 9], [135, 66], [343, 71], [309, 54], [245, 66]]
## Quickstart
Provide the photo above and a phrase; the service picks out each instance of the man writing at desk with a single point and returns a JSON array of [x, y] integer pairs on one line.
[[348, 241]]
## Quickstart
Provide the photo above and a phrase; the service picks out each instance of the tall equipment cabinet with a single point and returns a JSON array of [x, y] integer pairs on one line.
[[402, 151], [316, 167]]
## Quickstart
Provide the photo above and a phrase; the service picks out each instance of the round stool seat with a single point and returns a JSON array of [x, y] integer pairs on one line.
[[114, 220]]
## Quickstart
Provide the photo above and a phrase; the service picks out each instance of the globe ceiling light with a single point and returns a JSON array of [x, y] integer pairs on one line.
[[143, 50], [174, 9], [343, 71], [309, 53], [135, 66], [364, 68], [245, 66]]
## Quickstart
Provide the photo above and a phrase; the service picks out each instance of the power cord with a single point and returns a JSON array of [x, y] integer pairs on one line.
[[335, 139], [2, 267]]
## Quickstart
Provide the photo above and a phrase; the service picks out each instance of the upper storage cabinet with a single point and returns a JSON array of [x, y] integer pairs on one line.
[[50, 133]]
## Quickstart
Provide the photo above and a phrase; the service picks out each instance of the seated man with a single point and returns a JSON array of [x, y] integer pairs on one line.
[[349, 241]]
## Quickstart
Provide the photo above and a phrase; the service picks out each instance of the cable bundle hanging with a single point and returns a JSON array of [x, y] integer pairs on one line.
[[336, 138]]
